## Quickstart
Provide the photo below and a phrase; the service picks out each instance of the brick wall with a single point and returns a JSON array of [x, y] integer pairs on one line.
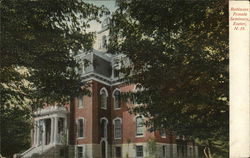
[[92, 113]]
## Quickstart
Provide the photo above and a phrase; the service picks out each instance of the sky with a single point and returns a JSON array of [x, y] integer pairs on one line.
[[110, 4]]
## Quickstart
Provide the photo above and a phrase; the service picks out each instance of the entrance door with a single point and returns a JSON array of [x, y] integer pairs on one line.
[[103, 149]]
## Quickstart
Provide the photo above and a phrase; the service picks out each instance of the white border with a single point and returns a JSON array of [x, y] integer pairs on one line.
[[239, 85]]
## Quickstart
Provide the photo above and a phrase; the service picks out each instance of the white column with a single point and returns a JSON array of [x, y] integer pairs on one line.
[[44, 132], [37, 132], [65, 124], [55, 130], [65, 130], [51, 130], [34, 134]]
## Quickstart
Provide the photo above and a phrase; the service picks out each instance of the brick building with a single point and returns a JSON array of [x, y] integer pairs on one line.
[[100, 126]]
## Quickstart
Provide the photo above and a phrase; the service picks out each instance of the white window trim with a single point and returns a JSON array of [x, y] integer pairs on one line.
[[143, 135], [113, 95], [76, 150], [106, 92], [135, 90], [77, 125], [140, 136], [104, 118], [117, 118]]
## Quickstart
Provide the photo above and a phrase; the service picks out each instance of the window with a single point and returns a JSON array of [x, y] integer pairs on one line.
[[163, 151], [104, 95], [104, 149], [118, 151], [60, 125], [104, 41], [139, 151], [117, 67], [80, 127], [134, 99], [80, 101], [79, 152], [139, 126], [138, 89], [118, 128], [116, 73], [81, 69], [117, 99], [104, 124], [163, 133]]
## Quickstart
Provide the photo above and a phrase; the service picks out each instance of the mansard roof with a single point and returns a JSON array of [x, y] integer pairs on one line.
[[101, 66]]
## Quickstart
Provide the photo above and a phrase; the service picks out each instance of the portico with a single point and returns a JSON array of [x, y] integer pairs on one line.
[[50, 126]]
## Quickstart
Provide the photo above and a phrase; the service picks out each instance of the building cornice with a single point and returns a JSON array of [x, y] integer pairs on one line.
[[102, 79], [50, 110]]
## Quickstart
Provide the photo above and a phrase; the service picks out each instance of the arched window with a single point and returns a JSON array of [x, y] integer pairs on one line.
[[82, 68], [139, 126], [104, 41], [80, 127], [117, 99], [104, 127], [117, 128], [104, 98], [138, 88], [104, 148], [163, 132]]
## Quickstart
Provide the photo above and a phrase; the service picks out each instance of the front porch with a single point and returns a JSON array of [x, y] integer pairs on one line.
[[50, 130], [50, 126]]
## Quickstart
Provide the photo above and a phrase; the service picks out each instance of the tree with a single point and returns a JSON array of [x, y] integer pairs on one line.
[[179, 54], [14, 130], [36, 38], [39, 39]]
